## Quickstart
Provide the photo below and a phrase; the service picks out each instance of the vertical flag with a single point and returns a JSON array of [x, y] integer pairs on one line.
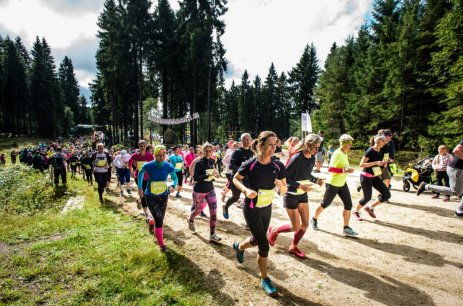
[[304, 122], [309, 123]]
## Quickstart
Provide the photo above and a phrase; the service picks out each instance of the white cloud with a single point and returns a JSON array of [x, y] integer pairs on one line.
[[261, 32]]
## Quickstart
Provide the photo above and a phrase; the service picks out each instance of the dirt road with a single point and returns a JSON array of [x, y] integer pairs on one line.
[[410, 255]]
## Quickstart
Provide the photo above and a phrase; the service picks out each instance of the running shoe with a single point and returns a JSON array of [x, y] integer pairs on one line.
[[214, 238], [191, 226], [421, 188], [271, 235], [458, 213], [225, 212], [349, 232], [446, 199], [268, 287], [202, 214], [239, 254], [150, 222], [296, 252], [436, 196], [357, 216], [370, 212], [314, 224], [178, 195], [163, 248]]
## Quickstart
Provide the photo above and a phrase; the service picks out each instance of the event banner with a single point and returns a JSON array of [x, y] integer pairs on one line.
[[185, 119]]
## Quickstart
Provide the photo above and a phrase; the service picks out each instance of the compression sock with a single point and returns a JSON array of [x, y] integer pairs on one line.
[[283, 228], [159, 235], [298, 236]]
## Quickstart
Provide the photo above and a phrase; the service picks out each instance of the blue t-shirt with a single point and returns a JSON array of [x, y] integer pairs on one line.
[[157, 173], [176, 159]]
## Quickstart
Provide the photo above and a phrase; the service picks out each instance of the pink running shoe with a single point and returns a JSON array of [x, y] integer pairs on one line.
[[296, 252], [271, 235], [370, 212], [356, 216]]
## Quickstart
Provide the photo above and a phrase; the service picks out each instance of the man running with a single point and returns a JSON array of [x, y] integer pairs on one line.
[[176, 160], [58, 162], [101, 162], [138, 159], [237, 159], [121, 162]]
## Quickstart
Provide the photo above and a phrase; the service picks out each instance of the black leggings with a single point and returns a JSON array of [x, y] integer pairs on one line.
[[157, 206], [101, 178], [88, 174], [331, 192], [57, 173], [376, 182], [235, 195], [259, 221]]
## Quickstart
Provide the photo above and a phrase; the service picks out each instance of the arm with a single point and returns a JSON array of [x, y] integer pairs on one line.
[[458, 151], [174, 178], [365, 164], [391, 151], [233, 160], [140, 178], [237, 180]]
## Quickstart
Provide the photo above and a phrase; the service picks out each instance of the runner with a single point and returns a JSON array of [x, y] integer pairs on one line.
[[137, 160], [237, 159], [203, 191], [87, 163], [73, 164], [455, 173], [320, 153], [58, 162], [336, 185], [101, 162], [292, 142], [176, 160], [263, 175], [228, 171], [121, 162], [371, 162], [156, 192], [188, 160], [299, 178]]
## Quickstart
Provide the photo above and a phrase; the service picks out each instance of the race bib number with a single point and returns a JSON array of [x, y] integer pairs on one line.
[[300, 191], [376, 171], [88, 167], [178, 166], [73, 163], [386, 157], [158, 188], [209, 173], [140, 164], [264, 197], [101, 163]]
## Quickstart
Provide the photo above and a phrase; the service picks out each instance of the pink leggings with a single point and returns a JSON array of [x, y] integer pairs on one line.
[[199, 202]]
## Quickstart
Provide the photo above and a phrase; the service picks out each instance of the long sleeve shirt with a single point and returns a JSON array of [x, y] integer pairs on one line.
[[299, 169]]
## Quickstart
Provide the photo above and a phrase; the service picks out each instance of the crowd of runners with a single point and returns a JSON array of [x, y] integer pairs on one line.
[[252, 168]]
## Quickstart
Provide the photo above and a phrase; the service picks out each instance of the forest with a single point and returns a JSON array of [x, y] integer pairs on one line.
[[403, 70]]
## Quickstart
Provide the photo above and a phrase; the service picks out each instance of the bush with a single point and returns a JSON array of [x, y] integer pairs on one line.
[[26, 191]]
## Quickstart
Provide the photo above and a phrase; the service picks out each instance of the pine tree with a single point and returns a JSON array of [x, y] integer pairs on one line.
[[69, 87]]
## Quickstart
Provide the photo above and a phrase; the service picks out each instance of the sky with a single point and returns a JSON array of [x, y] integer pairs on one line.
[[258, 32]]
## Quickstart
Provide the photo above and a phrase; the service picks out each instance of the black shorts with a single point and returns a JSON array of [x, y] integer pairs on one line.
[[180, 178], [291, 201]]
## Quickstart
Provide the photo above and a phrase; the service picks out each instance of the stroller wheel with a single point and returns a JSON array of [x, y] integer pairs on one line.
[[406, 186]]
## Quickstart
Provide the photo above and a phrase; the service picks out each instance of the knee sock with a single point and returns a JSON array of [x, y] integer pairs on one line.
[[283, 228], [159, 235], [298, 236]]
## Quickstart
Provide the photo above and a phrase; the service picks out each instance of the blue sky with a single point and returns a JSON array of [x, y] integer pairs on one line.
[[258, 32]]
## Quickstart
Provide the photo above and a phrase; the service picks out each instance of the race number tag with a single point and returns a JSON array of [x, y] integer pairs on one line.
[[178, 166], [73, 163], [158, 188], [101, 163], [300, 191], [209, 173], [88, 167], [376, 171], [264, 197], [140, 164], [386, 157]]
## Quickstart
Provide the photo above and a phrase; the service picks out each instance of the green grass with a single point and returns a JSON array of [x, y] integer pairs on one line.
[[92, 256]]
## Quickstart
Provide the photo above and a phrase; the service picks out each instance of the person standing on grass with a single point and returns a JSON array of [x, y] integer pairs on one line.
[[137, 160], [87, 163], [372, 162], [299, 178], [58, 162], [156, 192], [101, 162], [121, 162], [336, 185], [455, 173], [263, 174], [203, 191]]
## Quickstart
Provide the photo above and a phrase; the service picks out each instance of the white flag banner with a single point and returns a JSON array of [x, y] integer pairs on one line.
[[304, 122], [185, 119], [309, 124]]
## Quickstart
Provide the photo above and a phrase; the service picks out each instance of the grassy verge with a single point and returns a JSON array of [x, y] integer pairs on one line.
[[90, 256]]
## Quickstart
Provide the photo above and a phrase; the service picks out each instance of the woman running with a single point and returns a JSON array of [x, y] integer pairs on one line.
[[264, 175], [336, 185], [203, 191], [156, 192], [371, 162], [299, 178]]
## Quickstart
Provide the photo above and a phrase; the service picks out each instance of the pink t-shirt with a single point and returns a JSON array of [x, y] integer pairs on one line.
[[139, 161]]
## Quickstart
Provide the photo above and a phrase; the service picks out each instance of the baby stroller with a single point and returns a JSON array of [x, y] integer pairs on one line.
[[420, 172]]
